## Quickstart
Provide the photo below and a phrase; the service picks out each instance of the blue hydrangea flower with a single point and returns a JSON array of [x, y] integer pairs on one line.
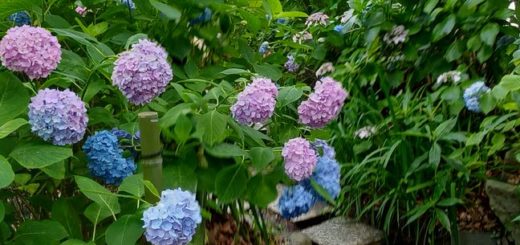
[[129, 4], [204, 17], [263, 48], [173, 220], [20, 18], [295, 201], [340, 29], [105, 158], [282, 21], [472, 95], [326, 174], [121, 133]]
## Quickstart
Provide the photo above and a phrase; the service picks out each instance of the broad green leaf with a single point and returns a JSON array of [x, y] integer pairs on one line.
[[170, 12], [13, 97], [487, 103], [2, 211], [475, 138], [442, 217], [435, 155], [261, 156], [56, 170], [180, 176], [171, 116], [126, 230], [96, 213], [11, 126], [98, 194], [268, 70], [212, 125], [429, 6], [134, 39], [37, 155], [64, 212], [231, 183], [450, 94], [6, 173], [510, 83], [444, 128], [260, 191], [275, 6], [93, 88], [234, 71], [77, 242], [291, 14], [288, 95], [484, 53], [183, 129], [225, 150], [133, 184], [151, 188], [444, 28], [489, 33], [36, 232], [454, 51]]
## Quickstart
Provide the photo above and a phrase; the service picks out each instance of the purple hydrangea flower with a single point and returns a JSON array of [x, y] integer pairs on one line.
[[318, 18], [142, 73], [58, 116], [256, 103], [472, 95], [31, 50], [295, 201], [105, 158], [324, 104], [291, 64], [299, 158], [81, 10], [173, 220]]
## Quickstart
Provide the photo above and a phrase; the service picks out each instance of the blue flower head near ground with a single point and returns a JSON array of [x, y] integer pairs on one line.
[[295, 201], [105, 158]]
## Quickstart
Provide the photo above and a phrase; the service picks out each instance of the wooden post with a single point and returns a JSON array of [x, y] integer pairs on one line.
[[151, 159]]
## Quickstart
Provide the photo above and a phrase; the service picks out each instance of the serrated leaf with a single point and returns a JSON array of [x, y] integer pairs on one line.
[[37, 155]]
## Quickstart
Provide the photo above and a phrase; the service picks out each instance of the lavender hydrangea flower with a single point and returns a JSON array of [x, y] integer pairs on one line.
[[299, 158], [324, 104], [173, 220], [256, 103], [318, 18], [31, 50], [142, 73], [396, 36], [58, 116], [325, 68], [291, 65], [20, 18], [295, 201], [105, 158], [472, 95], [301, 37], [264, 47]]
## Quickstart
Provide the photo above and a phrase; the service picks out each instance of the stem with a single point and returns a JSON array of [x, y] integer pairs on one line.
[[151, 159]]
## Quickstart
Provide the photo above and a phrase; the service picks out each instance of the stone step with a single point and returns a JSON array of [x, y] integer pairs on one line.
[[343, 231]]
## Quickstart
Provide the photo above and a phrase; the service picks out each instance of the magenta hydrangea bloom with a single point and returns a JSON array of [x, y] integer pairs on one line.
[[142, 73], [299, 158], [256, 103], [324, 104], [31, 50], [58, 116]]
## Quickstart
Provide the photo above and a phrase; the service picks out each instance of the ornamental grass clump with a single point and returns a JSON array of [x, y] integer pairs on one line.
[[105, 158], [143, 72], [58, 116], [173, 220], [33, 51], [256, 103]]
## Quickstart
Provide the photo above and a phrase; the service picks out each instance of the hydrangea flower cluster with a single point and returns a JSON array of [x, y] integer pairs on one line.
[[31, 50], [204, 17], [282, 21], [173, 220], [291, 65], [324, 104], [81, 10], [340, 29], [255, 104], [299, 158], [472, 95], [318, 18], [264, 47], [58, 116], [20, 18], [396, 36], [142, 73], [129, 4], [365, 132], [301, 37], [295, 201], [453, 76], [105, 158], [325, 68], [327, 175]]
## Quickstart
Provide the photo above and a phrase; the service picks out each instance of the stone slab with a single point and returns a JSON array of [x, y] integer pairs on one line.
[[342, 231]]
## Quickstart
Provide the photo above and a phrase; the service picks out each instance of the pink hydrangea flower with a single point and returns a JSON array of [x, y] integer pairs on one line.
[[299, 158], [324, 104], [81, 10], [31, 50], [256, 103]]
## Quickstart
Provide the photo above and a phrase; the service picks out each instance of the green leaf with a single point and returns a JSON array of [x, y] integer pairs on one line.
[[6, 173], [180, 176], [126, 230], [225, 150], [322, 192], [429, 6], [451, 93], [11, 126], [37, 155], [171, 116], [56, 170], [288, 95], [170, 12], [231, 183], [444, 128], [135, 39], [489, 33], [454, 51], [435, 155], [133, 185], [77, 242], [2, 211], [212, 125], [234, 71], [449, 202], [444, 28], [96, 213], [183, 129], [487, 103], [510, 83], [13, 97], [268, 70], [260, 191], [475, 139], [93, 88], [36, 232], [291, 14], [98, 194], [442, 217], [151, 188], [484, 53], [64, 212], [261, 156], [275, 6]]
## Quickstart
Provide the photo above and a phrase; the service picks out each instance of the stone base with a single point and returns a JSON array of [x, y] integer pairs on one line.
[[342, 231]]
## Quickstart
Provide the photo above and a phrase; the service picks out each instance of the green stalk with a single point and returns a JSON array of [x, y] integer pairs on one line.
[[151, 159]]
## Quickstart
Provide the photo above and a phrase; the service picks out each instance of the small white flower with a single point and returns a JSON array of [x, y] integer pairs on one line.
[[324, 69], [453, 76], [396, 36], [301, 37], [347, 16], [365, 132]]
